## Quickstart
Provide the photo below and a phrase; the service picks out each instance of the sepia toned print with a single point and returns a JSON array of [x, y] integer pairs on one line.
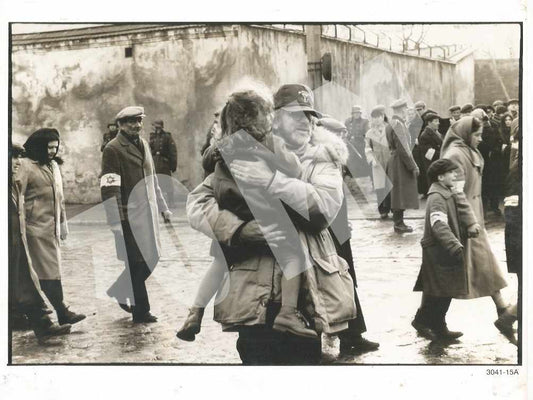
[[302, 184]]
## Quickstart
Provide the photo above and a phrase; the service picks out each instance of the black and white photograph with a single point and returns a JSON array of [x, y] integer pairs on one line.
[[343, 195]]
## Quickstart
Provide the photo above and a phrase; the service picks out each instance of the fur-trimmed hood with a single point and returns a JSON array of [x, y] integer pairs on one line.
[[330, 147]]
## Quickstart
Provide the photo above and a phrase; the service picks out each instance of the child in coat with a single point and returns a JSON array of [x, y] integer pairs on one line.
[[443, 271]]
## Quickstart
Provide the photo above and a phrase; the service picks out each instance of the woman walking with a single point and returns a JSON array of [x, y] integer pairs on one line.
[[46, 222], [484, 275]]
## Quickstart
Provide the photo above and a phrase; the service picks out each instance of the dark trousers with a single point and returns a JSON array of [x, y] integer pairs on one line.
[[131, 283], [53, 289], [397, 217], [261, 345], [432, 312], [383, 200]]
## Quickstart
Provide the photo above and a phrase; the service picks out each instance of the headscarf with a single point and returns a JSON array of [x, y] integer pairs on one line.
[[459, 136], [37, 145]]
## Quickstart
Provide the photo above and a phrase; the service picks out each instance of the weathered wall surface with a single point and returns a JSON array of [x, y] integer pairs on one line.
[[491, 76], [183, 75], [368, 77], [464, 84]]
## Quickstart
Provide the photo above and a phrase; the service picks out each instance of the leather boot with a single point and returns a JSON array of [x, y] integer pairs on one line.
[[504, 323], [54, 291], [443, 332], [192, 324], [422, 326], [44, 327], [291, 320]]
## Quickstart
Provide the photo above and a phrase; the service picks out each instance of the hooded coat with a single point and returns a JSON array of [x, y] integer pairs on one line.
[[485, 276], [327, 293], [401, 167]]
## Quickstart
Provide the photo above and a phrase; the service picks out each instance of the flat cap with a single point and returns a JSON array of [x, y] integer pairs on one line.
[[501, 109], [430, 117], [356, 109], [467, 108], [295, 97], [332, 124], [129, 112], [440, 167], [420, 104], [158, 123], [454, 108], [497, 103], [378, 110], [17, 150], [398, 103], [513, 101]]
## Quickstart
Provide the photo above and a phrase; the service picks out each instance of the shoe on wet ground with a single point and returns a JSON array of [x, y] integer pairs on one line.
[[146, 318], [191, 326], [357, 344]]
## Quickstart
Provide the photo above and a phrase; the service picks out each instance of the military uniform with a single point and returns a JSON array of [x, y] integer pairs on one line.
[[165, 158]]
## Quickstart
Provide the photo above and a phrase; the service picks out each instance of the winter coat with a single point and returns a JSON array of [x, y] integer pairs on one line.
[[327, 290], [378, 154], [24, 282], [401, 167], [44, 207], [164, 152], [496, 159], [129, 176], [357, 164], [429, 139], [442, 273], [485, 276]]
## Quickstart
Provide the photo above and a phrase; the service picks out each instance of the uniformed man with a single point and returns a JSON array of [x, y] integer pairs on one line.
[[109, 135], [128, 175], [357, 128], [165, 157]]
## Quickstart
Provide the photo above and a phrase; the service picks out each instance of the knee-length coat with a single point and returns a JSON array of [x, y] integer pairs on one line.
[[485, 275], [128, 174], [401, 167], [44, 206]]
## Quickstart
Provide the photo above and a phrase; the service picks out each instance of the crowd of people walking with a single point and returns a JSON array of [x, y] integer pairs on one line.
[[274, 205]]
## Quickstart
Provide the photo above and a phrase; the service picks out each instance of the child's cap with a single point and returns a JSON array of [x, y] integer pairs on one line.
[[440, 167]]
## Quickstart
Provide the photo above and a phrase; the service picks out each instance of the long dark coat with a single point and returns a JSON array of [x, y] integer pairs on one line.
[[401, 167], [485, 276], [444, 233], [128, 174], [164, 152], [429, 139], [42, 188]]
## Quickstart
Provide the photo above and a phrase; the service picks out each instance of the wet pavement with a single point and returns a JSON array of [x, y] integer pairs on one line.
[[386, 265]]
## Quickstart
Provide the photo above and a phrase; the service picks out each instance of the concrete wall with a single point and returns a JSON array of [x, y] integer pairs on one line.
[[368, 76], [464, 84], [183, 75], [490, 78]]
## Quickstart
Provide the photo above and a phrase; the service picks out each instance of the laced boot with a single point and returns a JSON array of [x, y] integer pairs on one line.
[[192, 324], [65, 316], [291, 320]]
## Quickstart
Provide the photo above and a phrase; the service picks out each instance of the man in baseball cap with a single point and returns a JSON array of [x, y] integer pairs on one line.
[[294, 98]]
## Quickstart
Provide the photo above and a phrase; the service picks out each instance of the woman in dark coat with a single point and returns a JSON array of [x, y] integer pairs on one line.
[[429, 144]]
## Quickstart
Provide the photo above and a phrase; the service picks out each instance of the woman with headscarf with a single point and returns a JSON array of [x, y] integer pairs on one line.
[[46, 222], [378, 155], [484, 275]]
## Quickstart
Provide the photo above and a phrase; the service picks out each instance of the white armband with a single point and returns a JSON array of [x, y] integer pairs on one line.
[[438, 216], [110, 180]]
